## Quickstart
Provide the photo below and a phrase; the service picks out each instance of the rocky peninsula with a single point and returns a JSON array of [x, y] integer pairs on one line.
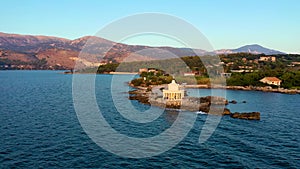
[[154, 95]]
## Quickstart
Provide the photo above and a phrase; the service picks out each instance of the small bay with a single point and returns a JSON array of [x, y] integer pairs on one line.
[[39, 127]]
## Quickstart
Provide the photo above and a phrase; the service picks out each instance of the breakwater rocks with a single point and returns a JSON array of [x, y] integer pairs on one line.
[[264, 89], [210, 104]]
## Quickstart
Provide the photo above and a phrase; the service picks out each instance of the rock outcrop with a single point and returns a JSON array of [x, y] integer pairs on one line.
[[226, 111], [210, 104], [139, 95], [233, 102], [246, 116]]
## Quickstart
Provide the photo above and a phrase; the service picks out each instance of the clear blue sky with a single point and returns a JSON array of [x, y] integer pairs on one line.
[[226, 23]]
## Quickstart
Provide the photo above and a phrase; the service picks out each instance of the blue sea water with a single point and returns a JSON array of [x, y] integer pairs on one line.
[[39, 128]]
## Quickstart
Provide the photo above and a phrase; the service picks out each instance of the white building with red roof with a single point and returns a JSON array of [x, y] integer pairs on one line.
[[271, 81]]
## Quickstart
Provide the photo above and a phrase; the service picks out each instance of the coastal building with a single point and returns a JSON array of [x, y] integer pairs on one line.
[[243, 70], [141, 70], [245, 67], [173, 93], [151, 70], [237, 71], [154, 70], [230, 64], [189, 74], [267, 58], [296, 63], [271, 81]]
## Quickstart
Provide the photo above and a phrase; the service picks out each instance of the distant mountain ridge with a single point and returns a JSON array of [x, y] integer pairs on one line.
[[254, 49], [257, 49], [61, 52]]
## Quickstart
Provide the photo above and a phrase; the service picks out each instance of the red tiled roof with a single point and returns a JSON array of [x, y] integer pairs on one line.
[[274, 79]]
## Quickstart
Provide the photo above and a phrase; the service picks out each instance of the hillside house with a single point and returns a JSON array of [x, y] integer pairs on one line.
[[271, 81]]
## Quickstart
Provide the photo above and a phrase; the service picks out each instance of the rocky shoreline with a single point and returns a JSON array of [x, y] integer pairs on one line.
[[246, 88], [210, 104]]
